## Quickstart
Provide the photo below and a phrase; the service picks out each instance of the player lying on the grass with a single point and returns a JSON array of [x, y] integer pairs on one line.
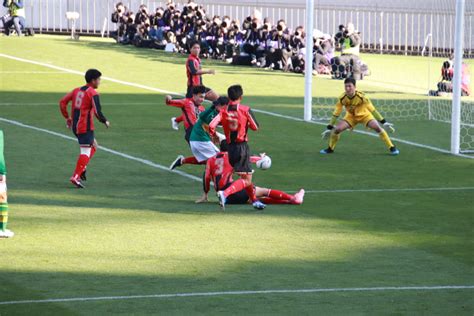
[[4, 232], [359, 109], [85, 105], [194, 73], [220, 172], [236, 119], [202, 145], [191, 108]]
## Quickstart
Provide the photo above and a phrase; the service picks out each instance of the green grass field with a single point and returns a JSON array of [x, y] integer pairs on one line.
[[135, 229]]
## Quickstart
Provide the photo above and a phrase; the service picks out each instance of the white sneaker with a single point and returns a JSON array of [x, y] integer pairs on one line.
[[299, 197], [6, 233], [174, 124]]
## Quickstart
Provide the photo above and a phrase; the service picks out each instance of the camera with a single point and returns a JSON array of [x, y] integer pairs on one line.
[[280, 28]]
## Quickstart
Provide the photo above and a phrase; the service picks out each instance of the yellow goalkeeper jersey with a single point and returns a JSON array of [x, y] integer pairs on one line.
[[359, 105]]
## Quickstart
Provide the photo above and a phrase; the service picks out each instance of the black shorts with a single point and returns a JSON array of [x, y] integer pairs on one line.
[[239, 157], [240, 197], [86, 138], [189, 93]]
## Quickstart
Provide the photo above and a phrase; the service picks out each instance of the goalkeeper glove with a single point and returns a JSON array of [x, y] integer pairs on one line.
[[388, 126], [327, 132]]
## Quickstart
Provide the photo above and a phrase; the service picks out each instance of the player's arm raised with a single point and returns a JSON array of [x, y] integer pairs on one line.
[[63, 103], [214, 123], [388, 126], [176, 103], [332, 122]]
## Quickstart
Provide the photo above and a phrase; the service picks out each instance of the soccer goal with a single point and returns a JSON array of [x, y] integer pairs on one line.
[[428, 82]]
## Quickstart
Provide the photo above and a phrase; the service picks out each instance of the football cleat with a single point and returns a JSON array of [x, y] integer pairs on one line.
[[6, 233], [222, 199], [177, 162], [299, 197], [77, 182], [394, 151], [83, 176], [326, 151], [258, 205], [174, 124]]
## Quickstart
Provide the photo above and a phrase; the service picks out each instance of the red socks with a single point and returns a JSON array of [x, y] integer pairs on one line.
[[236, 186], [82, 162], [279, 195], [93, 150], [251, 193], [192, 161]]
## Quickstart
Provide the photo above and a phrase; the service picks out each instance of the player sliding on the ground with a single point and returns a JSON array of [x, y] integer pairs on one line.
[[194, 73], [359, 109], [191, 108], [236, 119], [202, 146], [85, 105], [220, 172]]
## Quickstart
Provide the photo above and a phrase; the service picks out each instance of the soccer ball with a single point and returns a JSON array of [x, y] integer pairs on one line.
[[264, 163]]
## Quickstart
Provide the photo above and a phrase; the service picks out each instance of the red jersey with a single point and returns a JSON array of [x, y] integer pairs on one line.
[[85, 105], [193, 64], [219, 171], [235, 119], [190, 110]]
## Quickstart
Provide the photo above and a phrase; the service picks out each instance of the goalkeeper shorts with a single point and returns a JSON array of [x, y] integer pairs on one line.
[[353, 120]]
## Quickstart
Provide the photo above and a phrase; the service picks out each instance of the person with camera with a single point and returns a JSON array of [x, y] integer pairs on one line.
[[16, 19], [348, 64], [323, 52], [280, 52], [120, 17]]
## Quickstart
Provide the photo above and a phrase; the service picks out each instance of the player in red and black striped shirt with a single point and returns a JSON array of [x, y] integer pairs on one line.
[[236, 119], [194, 72], [85, 105], [191, 108]]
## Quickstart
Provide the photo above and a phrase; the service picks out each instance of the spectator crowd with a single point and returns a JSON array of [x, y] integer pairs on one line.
[[256, 41]]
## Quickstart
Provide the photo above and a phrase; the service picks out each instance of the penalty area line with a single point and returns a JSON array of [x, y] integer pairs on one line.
[[111, 151], [140, 86], [258, 292]]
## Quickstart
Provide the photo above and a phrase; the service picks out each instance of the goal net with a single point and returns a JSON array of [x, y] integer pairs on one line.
[[407, 70]]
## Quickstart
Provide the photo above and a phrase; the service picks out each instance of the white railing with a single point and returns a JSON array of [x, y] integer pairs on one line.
[[387, 30]]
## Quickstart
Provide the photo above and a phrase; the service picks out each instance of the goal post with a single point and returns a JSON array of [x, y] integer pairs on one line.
[[458, 56], [308, 99]]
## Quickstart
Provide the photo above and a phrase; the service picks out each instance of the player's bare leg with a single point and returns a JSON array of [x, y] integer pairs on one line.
[[334, 137], [374, 125], [94, 147]]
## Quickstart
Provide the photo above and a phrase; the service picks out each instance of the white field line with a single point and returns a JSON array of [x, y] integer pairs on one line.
[[260, 292], [131, 84], [392, 190], [111, 151], [33, 72]]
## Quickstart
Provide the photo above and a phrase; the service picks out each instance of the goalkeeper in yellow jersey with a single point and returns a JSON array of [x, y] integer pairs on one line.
[[359, 110]]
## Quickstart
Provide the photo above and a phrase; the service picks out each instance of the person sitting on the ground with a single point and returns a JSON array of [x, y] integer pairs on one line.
[[16, 9], [445, 86]]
